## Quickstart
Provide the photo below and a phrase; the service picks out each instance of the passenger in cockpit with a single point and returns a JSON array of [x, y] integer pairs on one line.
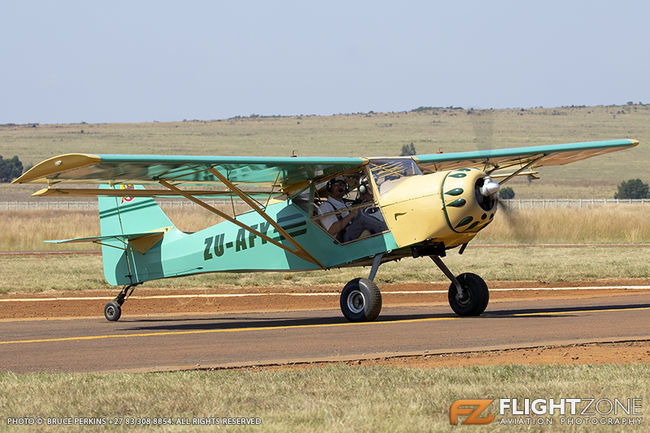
[[365, 196]]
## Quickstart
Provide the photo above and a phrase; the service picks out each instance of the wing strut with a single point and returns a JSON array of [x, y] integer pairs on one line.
[[298, 250], [511, 175]]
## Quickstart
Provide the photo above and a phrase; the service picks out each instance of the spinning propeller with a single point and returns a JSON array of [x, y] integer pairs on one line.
[[487, 192]]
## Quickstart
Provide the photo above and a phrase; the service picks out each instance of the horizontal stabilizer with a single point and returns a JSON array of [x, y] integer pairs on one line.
[[140, 242]]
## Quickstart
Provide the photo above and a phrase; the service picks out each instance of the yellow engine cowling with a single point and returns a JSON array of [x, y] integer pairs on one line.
[[443, 207]]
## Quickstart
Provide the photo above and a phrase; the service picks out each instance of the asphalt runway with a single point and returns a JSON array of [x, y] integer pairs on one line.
[[182, 341]]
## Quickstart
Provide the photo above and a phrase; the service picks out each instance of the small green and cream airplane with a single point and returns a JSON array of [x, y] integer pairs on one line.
[[424, 206]]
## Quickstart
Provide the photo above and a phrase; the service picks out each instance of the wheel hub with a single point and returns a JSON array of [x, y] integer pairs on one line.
[[465, 298], [356, 301]]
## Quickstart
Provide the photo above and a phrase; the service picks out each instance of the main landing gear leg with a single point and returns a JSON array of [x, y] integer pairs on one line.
[[361, 299], [468, 293], [113, 309]]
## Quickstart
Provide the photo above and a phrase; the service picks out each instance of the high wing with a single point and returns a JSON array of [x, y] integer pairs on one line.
[[518, 157], [282, 175], [261, 172]]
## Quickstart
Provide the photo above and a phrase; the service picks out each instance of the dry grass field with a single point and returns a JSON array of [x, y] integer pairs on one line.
[[608, 224], [623, 224], [369, 134], [331, 399], [55, 274]]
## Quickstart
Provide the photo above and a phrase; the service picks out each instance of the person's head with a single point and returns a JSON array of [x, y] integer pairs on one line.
[[337, 188]]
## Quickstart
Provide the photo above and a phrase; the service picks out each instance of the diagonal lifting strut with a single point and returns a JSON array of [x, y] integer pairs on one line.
[[298, 250]]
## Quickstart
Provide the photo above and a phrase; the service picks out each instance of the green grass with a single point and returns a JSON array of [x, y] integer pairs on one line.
[[373, 134], [35, 274], [322, 399]]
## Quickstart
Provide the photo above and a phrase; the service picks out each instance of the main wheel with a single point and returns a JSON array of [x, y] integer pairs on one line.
[[475, 295], [112, 311], [360, 300]]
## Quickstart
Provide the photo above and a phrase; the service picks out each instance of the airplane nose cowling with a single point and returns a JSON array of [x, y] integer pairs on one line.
[[469, 199], [447, 207]]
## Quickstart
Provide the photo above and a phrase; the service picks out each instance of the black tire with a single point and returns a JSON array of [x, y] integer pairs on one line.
[[112, 311], [476, 296], [361, 300]]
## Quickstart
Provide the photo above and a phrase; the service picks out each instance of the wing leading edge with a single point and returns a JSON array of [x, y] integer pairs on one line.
[[289, 171], [491, 160], [150, 169]]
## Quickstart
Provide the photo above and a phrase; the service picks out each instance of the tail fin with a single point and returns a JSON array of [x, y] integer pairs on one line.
[[125, 216]]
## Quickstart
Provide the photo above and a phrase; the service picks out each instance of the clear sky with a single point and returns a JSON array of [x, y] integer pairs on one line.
[[129, 61]]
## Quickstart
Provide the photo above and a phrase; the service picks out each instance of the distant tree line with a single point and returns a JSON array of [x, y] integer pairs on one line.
[[633, 188], [506, 193], [408, 150], [10, 169]]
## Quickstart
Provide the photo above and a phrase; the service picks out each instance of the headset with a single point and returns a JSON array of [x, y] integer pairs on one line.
[[363, 187], [331, 183]]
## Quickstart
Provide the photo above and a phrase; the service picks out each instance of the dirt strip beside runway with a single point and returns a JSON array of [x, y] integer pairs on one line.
[[144, 301]]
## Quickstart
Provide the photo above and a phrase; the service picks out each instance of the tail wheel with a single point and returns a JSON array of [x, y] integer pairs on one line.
[[475, 297], [361, 300], [112, 311]]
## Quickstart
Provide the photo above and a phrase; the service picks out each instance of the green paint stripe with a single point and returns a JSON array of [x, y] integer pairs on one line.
[[293, 226], [444, 206], [293, 235], [523, 151], [289, 217]]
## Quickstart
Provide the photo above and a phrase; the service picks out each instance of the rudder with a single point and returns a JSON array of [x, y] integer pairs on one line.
[[123, 216]]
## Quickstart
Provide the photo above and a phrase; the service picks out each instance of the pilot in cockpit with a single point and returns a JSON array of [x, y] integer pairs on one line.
[[346, 225]]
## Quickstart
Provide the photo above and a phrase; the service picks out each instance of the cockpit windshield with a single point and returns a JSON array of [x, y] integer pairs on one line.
[[390, 172]]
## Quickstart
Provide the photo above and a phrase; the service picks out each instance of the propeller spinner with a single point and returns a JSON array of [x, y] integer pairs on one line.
[[489, 187]]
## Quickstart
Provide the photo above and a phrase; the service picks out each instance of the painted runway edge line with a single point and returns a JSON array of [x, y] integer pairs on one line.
[[243, 295]]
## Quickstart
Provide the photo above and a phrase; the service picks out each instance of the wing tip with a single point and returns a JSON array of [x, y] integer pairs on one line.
[[56, 164]]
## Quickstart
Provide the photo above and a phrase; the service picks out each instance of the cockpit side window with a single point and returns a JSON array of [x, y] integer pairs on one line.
[[390, 172], [345, 208], [303, 199]]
